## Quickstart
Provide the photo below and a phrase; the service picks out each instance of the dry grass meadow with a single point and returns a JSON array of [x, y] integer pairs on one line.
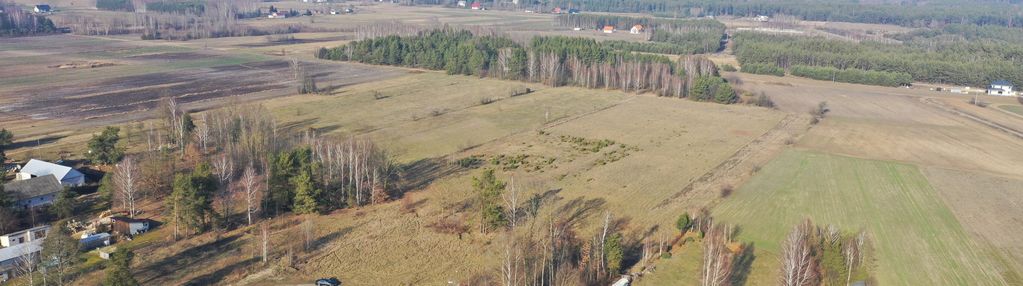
[[934, 180]]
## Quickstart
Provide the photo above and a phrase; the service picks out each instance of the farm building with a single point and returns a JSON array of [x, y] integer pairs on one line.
[[609, 29], [42, 8], [1001, 87], [37, 168], [34, 192], [636, 29], [276, 15], [557, 10], [129, 226], [461, 3], [24, 236], [476, 6], [18, 245]]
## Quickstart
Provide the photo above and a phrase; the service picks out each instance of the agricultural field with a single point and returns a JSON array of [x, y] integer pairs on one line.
[[546, 141], [52, 93], [917, 239]]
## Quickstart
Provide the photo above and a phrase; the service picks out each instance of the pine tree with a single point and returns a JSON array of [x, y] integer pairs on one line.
[[64, 205], [306, 194], [119, 269]]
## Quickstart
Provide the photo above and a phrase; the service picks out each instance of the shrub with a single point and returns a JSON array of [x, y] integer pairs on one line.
[[853, 75], [470, 162], [486, 100], [728, 68], [762, 100], [755, 68], [726, 191]]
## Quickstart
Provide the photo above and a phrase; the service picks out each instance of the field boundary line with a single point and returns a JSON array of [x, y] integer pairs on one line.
[[975, 118]]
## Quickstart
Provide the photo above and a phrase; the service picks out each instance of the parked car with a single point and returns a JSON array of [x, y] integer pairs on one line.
[[328, 282]]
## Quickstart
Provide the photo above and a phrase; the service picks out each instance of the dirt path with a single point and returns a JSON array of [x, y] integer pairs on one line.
[[705, 191], [975, 118]]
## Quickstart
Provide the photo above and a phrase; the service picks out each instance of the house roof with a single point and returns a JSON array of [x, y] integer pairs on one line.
[[1001, 82], [16, 251], [638, 26], [127, 219], [476, 4], [43, 7], [34, 187], [40, 168], [609, 27]]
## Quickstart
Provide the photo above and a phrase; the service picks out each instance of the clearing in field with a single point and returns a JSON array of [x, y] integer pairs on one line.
[[597, 149], [917, 240]]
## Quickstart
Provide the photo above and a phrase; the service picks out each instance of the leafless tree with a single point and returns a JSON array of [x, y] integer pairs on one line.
[[26, 265], [853, 252], [264, 230], [717, 258], [799, 266], [202, 133], [223, 167], [127, 177], [252, 184]]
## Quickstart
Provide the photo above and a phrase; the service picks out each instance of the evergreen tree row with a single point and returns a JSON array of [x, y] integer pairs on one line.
[[554, 61], [950, 61], [853, 75], [904, 13]]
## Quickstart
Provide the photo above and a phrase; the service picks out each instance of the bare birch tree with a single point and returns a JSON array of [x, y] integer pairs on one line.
[[717, 258], [127, 177], [799, 266], [252, 185], [223, 167], [26, 265]]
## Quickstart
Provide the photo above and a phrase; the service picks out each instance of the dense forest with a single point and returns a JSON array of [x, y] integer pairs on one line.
[[672, 36], [926, 56], [17, 22], [554, 61], [903, 13]]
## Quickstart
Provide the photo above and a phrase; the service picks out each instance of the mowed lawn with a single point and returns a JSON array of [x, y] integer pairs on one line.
[[916, 238]]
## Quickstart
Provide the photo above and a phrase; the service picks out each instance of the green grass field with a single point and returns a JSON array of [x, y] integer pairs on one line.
[[1012, 108], [916, 238]]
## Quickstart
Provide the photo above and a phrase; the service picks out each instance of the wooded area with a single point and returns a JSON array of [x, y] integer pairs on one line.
[[554, 61], [17, 22], [911, 13], [671, 36], [947, 59]]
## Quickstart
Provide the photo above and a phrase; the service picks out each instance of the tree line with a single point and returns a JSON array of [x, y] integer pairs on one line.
[[911, 13], [554, 61], [950, 61], [674, 36], [17, 22]]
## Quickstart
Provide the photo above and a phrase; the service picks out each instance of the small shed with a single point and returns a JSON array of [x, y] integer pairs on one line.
[[128, 226], [42, 8], [90, 242]]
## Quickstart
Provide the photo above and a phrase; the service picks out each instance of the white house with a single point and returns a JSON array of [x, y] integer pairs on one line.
[[636, 29], [42, 8], [276, 15], [1001, 87], [37, 168], [761, 18], [17, 245], [24, 236], [34, 192]]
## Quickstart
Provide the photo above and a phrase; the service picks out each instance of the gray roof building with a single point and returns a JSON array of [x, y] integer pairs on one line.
[[34, 192]]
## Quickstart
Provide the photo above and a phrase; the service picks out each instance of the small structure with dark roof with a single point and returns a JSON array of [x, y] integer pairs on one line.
[[34, 192], [1001, 87], [42, 8], [128, 226]]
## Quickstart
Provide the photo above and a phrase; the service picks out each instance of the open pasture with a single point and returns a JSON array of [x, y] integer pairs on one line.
[[86, 82], [917, 239]]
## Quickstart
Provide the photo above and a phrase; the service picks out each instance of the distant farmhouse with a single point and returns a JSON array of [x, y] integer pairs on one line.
[[636, 29], [1001, 87], [66, 175], [42, 8], [609, 29], [19, 244], [34, 192]]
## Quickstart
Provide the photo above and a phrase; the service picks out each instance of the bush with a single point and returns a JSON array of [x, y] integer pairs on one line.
[[728, 68], [755, 68], [853, 75], [666, 255], [469, 162], [726, 191], [762, 100]]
